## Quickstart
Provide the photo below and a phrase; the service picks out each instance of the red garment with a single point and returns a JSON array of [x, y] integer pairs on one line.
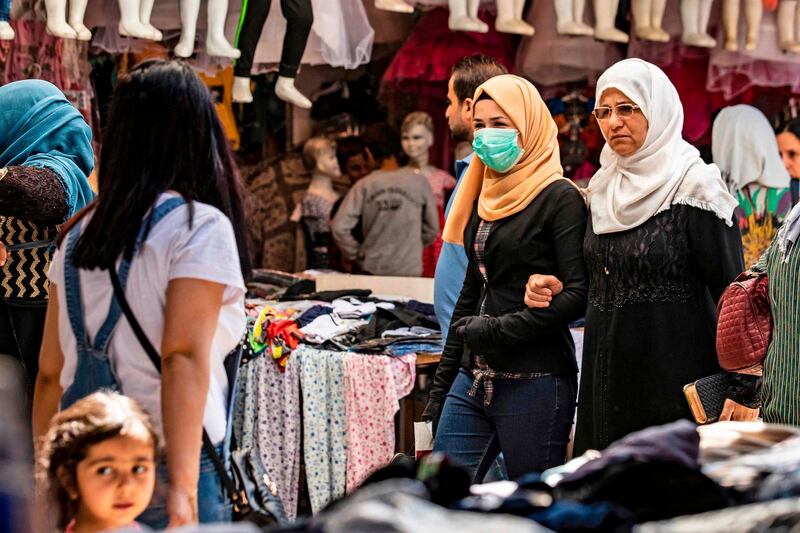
[[432, 49]]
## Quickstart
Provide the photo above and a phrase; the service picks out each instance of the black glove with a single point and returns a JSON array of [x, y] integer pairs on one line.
[[480, 334]]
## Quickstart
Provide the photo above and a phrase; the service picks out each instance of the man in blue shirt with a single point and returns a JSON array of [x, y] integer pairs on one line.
[[467, 75]]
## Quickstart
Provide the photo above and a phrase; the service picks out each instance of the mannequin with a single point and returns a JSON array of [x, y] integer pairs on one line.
[[216, 44], [464, 16], [569, 14], [57, 19], [509, 18], [319, 157], [694, 16], [789, 26], [753, 11], [647, 16], [398, 6], [135, 20], [417, 135], [299, 18], [6, 31], [605, 11]]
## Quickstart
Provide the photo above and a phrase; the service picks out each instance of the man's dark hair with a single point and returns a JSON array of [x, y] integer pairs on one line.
[[350, 147], [383, 142], [470, 72]]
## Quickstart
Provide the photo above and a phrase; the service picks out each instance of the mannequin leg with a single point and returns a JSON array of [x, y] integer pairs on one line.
[[730, 21], [6, 31], [604, 13], [578, 9], [57, 19], [145, 10], [753, 11], [398, 6], [129, 23], [464, 16], [299, 17], [704, 15], [509, 18], [77, 8], [563, 15], [251, 24], [641, 18], [216, 43], [190, 9], [689, 20], [657, 8], [242, 94], [786, 26]]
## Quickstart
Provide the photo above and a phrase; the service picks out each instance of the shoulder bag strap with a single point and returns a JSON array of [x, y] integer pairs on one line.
[[156, 360]]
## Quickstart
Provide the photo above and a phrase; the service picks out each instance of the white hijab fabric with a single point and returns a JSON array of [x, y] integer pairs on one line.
[[666, 170], [745, 149]]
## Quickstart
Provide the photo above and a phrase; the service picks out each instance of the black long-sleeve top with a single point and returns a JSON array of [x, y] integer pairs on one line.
[[545, 238]]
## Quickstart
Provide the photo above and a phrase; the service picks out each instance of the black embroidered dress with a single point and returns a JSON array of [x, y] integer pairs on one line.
[[651, 320]]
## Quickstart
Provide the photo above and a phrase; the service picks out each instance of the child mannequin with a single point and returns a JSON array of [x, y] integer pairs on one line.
[[319, 157], [98, 461], [417, 139]]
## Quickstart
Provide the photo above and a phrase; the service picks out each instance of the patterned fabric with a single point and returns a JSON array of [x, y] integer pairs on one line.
[[780, 392], [324, 450], [25, 277], [267, 416], [622, 271], [373, 385]]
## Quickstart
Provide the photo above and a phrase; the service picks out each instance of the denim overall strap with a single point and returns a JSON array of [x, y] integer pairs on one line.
[[114, 312], [93, 370], [72, 287]]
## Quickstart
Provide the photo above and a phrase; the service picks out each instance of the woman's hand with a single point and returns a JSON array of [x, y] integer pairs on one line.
[[181, 507], [541, 289], [3, 255], [737, 412]]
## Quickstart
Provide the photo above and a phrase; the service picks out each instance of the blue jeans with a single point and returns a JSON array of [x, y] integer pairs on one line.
[[529, 420], [213, 504]]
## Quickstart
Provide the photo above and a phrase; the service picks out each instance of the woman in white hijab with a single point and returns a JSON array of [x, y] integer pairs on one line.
[[660, 248], [744, 147]]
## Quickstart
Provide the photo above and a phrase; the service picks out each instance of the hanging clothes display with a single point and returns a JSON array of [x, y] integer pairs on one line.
[[322, 376], [267, 417], [373, 386]]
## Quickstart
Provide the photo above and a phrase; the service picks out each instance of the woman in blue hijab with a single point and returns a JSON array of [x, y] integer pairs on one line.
[[45, 159]]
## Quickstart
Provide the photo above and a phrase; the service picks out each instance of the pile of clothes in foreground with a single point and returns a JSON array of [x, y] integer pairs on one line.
[[729, 477]]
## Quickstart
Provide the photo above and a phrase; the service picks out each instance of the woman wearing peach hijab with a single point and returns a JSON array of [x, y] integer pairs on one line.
[[507, 380]]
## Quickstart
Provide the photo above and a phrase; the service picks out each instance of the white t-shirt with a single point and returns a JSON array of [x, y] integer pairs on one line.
[[208, 252]]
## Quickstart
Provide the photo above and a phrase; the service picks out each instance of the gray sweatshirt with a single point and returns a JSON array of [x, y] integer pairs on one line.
[[398, 216]]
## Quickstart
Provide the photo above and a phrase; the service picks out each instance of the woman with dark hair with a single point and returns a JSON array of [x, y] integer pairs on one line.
[[169, 218], [789, 147]]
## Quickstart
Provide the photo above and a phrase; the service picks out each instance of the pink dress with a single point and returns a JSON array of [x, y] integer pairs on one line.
[[373, 386], [440, 182]]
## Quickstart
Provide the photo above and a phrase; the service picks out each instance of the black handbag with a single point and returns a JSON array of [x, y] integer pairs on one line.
[[253, 495]]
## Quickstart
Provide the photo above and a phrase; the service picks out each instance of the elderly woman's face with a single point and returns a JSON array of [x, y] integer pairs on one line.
[[624, 128]]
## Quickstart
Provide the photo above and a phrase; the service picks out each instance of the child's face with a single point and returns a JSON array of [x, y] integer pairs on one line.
[[115, 481]]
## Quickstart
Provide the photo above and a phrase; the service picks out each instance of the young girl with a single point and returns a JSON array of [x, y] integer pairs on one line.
[[98, 461]]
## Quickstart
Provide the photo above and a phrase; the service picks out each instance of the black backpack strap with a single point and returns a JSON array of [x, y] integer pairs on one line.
[[156, 360]]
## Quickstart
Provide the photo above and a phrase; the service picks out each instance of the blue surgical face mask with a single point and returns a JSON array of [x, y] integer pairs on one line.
[[497, 148]]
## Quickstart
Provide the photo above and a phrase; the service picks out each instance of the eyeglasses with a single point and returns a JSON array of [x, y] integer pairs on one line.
[[622, 111]]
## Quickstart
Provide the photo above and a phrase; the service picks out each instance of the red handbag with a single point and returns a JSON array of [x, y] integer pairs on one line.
[[744, 326]]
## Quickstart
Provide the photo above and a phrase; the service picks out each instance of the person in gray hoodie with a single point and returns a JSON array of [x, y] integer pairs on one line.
[[398, 216]]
